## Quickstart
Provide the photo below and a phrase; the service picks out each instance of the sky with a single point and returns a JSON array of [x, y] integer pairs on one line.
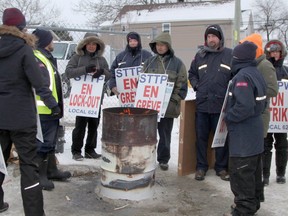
[[72, 17]]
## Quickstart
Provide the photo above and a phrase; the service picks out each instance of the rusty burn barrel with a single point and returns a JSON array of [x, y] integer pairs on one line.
[[129, 137]]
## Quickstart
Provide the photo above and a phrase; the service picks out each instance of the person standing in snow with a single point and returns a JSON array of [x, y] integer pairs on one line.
[[276, 52], [88, 60], [50, 109], [209, 75], [132, 56], [243, 114], [165, 62], [19, 73]]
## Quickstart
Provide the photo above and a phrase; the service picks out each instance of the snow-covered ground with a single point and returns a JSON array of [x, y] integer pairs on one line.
[[276, 198]]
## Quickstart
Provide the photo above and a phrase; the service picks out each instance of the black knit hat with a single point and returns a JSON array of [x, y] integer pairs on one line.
[[133, 35], [14, 17], [245, 51], [44, 37], [213, 30]]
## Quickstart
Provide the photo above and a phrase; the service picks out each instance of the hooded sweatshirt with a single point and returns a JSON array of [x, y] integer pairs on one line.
[[268, 72]]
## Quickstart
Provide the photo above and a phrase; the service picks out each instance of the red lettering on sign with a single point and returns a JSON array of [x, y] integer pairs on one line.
[[278, 100], [86, 89], [151, 91]]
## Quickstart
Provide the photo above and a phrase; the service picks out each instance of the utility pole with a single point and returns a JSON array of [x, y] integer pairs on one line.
[[237, 19]]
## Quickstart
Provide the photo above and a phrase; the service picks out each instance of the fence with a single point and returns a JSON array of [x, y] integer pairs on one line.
[[65, 42]]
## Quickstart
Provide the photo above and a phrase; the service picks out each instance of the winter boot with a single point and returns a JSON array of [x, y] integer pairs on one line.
[[53, 172], [44, 182]]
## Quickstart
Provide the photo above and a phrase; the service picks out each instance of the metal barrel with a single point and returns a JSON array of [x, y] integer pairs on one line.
[[129, 137]]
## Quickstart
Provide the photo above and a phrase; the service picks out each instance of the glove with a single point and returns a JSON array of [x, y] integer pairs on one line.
[[90, 68], [98, 73], [55, 111]]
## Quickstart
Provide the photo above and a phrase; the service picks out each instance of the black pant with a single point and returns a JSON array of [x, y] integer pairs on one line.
[[31, 191], [165, 127], [246, 183], [78, 134], [280, 145]]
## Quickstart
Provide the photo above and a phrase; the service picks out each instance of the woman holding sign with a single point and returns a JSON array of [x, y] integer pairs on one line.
[[88, 60], [165, 62]]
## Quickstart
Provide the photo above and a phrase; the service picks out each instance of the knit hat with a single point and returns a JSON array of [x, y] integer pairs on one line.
[[44, 37], [14, 17], [245, 51], [213, 30], [133, 35]]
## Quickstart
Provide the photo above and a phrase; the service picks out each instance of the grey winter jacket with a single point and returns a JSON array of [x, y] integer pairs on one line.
[[78, 62]]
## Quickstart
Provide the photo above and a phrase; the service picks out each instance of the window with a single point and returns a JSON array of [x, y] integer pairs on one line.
[[166, 27]]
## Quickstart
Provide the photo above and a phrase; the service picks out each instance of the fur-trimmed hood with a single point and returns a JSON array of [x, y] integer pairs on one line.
[[94, 39], [30, 39]]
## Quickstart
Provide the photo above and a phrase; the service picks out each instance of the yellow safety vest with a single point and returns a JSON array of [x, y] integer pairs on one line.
[[41, 107]]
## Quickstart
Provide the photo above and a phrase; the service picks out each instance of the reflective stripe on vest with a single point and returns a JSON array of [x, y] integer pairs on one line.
[[41, 107]]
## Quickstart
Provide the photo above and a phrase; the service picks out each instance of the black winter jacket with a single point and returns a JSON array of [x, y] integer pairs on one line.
[[19, 73], [245, 104], [127, 58], [209, 75]]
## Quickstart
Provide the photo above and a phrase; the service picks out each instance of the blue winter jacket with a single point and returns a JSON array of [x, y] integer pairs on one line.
[[245, 104]]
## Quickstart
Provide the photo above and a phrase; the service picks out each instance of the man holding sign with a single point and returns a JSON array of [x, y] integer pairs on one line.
[[87, 63], [126, 67], [166, 63]]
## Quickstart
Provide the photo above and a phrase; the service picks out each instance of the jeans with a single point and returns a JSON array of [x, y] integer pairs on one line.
[[205, 123], [49, 131]]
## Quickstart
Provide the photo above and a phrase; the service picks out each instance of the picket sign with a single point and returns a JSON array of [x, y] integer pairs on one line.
[[151, 91], [279, 110], [168, 93], [86, 96], [221, 129], [3, 168], [126, 82]]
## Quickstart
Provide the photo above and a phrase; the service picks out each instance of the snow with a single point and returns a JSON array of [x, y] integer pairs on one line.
[[275, 194]]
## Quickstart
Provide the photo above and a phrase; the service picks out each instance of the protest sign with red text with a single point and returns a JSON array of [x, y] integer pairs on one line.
[[85, 97], [126, 82]]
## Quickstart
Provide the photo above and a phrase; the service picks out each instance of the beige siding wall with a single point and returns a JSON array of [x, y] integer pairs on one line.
[[186, 36]]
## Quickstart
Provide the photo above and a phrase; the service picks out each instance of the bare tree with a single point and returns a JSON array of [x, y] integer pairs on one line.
[[35, 11], [107, 10], [270, 15]]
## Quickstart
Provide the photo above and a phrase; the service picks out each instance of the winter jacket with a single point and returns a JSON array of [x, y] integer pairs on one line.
[[77, 64], [176, 70], [209, 75], [269, 74], [45, 92], [281, 70], [19, 73], [245, 104], [128, 58]]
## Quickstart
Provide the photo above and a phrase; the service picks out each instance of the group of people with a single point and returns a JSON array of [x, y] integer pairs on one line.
[[249, 73], [30, 83]]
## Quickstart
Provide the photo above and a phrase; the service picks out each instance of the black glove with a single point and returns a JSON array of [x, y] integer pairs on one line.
[[55, 111], [98, 73], [90, 68]]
